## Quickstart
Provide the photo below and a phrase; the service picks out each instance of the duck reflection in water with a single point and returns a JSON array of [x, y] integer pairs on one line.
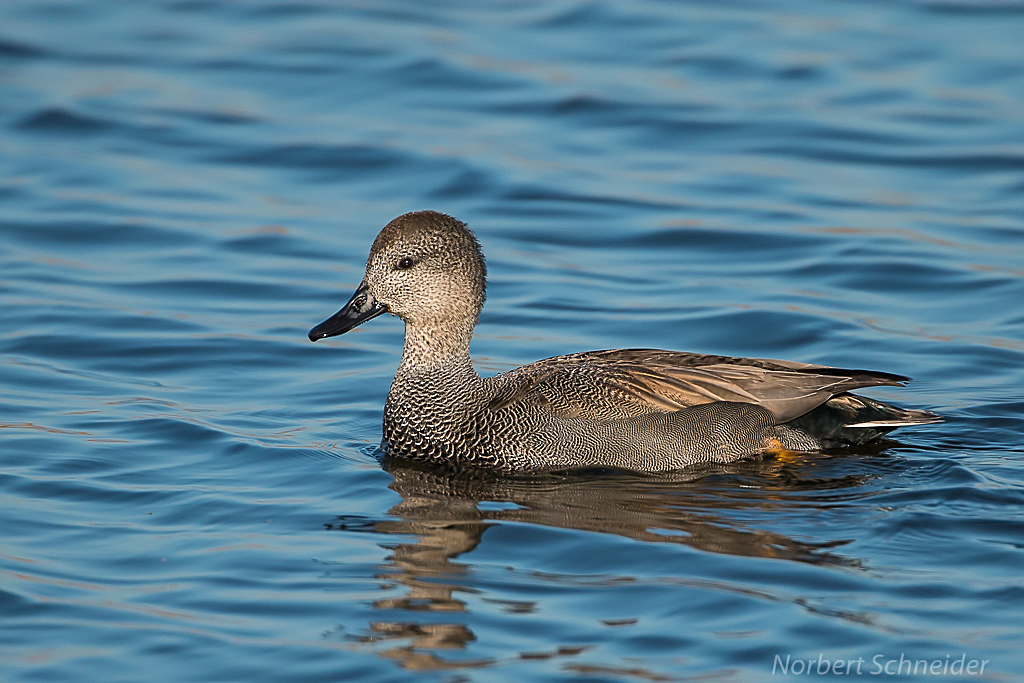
[[447, 512]]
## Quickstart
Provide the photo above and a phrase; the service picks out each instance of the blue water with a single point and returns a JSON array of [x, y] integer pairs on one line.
[[190, 490]]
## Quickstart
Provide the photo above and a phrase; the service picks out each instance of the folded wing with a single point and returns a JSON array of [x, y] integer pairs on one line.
[[627, 382]]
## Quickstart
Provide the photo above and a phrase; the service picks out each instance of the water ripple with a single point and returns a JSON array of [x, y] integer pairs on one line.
[[189, 186]]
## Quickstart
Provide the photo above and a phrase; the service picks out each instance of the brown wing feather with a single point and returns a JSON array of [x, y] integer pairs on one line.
[[632, 381]]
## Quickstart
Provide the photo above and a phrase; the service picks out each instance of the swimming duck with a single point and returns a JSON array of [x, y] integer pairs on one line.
[[636, 409]]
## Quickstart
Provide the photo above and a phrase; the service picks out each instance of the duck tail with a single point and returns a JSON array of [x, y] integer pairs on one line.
[[902, 417], [849, 419]]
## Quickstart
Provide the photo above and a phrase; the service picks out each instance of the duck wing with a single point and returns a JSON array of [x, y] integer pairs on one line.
[[627, 382]]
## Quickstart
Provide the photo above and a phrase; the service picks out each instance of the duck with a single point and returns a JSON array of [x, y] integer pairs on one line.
[[643, 410]]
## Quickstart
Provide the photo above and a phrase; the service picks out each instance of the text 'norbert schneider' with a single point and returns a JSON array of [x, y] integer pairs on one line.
[[879, 665]]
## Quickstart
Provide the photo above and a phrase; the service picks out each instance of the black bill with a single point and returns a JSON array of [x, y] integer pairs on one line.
[[360, 308]]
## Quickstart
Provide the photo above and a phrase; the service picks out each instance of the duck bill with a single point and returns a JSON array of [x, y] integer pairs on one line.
[[360, 308]]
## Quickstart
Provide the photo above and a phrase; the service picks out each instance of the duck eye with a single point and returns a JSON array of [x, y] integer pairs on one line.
[[405, 264]]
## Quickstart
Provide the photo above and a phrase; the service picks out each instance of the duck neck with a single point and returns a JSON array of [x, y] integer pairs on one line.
[[437, 348]]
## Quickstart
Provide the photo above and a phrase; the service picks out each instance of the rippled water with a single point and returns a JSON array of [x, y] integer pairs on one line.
[[190, 489]]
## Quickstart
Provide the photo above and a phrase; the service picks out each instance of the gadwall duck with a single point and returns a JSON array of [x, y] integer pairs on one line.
[[636, 409]]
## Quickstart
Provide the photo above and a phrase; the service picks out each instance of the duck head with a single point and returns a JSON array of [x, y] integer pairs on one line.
[[424, 267]]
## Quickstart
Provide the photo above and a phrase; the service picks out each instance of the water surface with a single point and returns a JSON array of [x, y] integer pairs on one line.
[[191, 490]]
